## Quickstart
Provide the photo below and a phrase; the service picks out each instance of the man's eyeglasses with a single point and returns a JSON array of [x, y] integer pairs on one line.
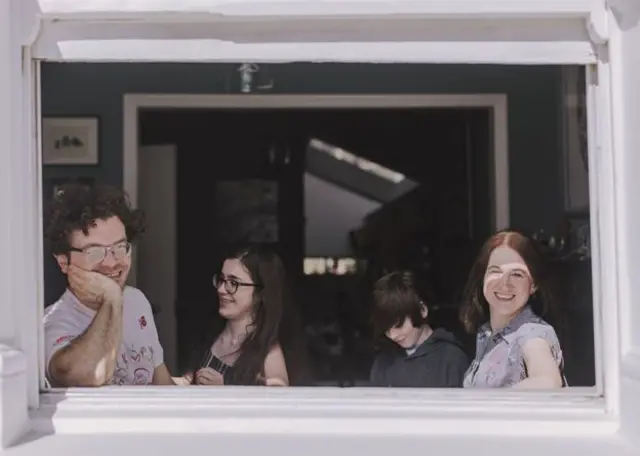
[[231, 285], [97, 253]]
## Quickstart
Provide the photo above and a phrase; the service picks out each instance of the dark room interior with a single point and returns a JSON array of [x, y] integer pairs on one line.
[[434, 229]]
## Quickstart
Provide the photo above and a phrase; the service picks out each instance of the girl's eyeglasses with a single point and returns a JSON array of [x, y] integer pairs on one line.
[[231, 285]]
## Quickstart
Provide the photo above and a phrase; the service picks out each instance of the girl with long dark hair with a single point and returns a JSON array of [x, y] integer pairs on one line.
[[257, 341]]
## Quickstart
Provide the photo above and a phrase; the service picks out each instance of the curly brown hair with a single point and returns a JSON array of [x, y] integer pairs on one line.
[[77, 207]]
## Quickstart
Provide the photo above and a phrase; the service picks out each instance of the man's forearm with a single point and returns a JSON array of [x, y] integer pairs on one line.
[[90, 359]]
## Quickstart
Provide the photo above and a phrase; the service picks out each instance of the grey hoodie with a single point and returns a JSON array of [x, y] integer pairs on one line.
[[439, 362]]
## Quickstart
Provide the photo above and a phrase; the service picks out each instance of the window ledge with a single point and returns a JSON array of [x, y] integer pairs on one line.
[[317, 445], [325, 411]]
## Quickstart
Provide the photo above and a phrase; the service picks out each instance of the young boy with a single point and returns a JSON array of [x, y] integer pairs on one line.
[[420, 355]]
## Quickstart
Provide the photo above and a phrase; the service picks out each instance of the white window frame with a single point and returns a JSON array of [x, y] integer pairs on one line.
[[81, 31]]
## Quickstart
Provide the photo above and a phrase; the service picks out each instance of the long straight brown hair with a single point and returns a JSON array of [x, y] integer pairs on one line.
[[475, 308], [275, 319]]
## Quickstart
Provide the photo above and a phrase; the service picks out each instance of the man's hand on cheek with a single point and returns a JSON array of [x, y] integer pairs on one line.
[[92, 287]]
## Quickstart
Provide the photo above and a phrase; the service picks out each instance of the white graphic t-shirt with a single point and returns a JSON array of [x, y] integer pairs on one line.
[[140, 351]]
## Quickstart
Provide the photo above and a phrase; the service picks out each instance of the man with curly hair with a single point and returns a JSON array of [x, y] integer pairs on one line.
[[100, 331]]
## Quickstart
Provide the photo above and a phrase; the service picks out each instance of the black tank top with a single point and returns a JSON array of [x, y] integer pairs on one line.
[[215, 363]]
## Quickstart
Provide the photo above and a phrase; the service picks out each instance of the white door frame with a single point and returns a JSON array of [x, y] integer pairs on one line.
[[160, 273], [496, 103]]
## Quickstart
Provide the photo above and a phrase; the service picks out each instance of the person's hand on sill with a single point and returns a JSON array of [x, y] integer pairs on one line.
[[185, 380], [208, 376], [274, 381]]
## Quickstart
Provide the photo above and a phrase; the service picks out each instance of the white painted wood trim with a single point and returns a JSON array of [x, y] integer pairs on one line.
[[27, 214], [330, 8], [577, 53], [367, 412], [34, 316], [18, 241], [14, 419], [625, 198], [603, 233], [184, 414], [344, 39], [7, 140], [624, 72]]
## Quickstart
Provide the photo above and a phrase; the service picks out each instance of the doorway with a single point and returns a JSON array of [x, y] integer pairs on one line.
[[222, 153]]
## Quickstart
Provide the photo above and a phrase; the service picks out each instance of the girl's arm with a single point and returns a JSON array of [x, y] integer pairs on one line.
[[275, 368]]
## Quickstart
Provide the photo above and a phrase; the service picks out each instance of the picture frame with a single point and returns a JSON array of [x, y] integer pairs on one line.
[[70, 141]]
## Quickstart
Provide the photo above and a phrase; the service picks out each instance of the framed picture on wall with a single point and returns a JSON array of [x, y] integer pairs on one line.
[[69, 141]]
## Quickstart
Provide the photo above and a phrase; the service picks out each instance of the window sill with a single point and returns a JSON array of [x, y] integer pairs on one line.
[[321, 411]]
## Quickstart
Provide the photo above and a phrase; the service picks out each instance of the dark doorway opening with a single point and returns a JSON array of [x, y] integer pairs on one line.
[[434, 226]]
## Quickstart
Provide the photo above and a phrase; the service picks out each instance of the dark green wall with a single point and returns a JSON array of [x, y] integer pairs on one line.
[[535, 163]]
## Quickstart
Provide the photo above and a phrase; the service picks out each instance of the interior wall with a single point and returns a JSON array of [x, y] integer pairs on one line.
[[535, 165], [331, 213]]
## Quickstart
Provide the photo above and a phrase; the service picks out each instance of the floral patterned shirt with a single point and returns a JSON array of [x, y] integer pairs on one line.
[[499, 361]]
